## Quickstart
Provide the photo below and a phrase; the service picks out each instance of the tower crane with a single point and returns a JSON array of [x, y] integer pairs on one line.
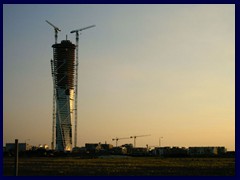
[[135, 137], [56, 29], [76, 80], [116, 139], [77, 30]]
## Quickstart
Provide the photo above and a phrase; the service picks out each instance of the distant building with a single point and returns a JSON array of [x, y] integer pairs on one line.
[[191, 151], [21, 147], [221, 150], [92, 147], [43, 146], [98, 147], [119, 150], [79, 150], [106, 146], [129, 148], [171, 151], [178, 151], [204, 151], [139, 151], [161, 151]]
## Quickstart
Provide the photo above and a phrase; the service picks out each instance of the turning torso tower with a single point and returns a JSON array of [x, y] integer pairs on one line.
[[63, 69]]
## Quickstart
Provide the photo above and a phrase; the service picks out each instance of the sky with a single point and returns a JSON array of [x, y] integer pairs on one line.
[[163, 70]]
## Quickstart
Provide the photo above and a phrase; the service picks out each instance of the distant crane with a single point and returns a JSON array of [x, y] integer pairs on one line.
[[138, 136], [116, 139], [56, 29], [76, 80]]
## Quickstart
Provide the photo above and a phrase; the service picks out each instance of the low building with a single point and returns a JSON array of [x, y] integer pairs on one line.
[[178, 152], [21, 147], [139, 151], [119, 150], [221, 150], [81, 150], [129, 148], [203, 151], [106, 147], [92, 147], [161, 151], [171, 151], [43, 146]]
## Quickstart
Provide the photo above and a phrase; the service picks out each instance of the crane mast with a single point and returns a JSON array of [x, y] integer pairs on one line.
[[116, 139], [56, 29], [54, 106], [135, 137], [76, 81]]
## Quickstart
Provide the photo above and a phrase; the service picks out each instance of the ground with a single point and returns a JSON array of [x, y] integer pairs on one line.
[[120, 166]]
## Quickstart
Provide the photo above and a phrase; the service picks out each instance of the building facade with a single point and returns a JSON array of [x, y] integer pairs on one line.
[[63, 67]]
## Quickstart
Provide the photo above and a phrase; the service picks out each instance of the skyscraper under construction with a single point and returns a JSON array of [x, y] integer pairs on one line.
[[65, 84], [63, 68]]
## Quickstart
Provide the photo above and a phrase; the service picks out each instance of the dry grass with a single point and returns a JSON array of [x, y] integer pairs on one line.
[[131, 166]]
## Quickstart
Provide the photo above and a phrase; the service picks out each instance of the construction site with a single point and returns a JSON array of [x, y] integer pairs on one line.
[[65, 157], [64, 71], [119, 89], [97, 159], [64, 68]]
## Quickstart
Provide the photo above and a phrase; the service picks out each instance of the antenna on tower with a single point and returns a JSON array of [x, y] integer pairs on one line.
[[56, 29], [76, 80]]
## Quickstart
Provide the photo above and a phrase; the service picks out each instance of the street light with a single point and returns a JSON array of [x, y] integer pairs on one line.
[[160, 141]]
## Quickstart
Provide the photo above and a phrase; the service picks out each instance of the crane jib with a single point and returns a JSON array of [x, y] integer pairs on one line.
[[56, 28], [82, 29]]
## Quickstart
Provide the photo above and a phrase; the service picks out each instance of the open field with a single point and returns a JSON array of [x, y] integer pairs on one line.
[[120, 166]]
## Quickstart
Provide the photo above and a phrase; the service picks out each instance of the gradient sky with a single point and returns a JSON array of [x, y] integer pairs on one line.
[[164, 70]]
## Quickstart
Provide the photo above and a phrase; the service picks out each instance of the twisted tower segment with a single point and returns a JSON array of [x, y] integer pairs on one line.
[[63, 66]]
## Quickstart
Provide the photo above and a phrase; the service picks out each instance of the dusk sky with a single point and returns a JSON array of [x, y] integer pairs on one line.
[[164, 70]]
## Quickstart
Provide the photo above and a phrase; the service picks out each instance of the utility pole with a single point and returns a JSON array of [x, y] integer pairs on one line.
[[16, 158]]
